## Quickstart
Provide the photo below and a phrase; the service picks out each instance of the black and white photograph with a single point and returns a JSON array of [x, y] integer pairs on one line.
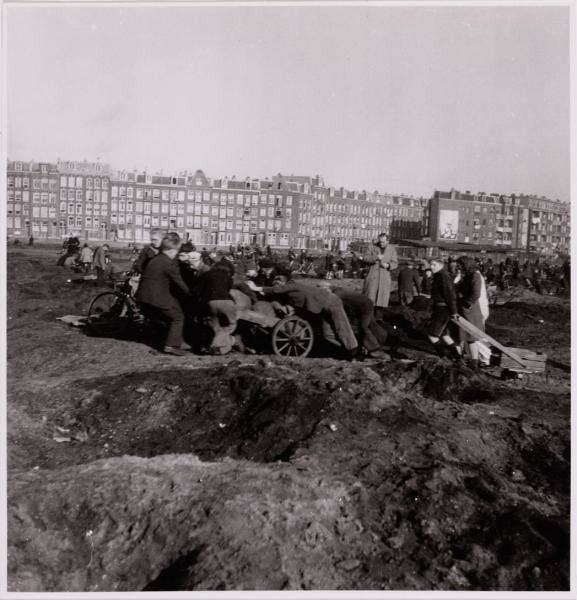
[[288, 298]]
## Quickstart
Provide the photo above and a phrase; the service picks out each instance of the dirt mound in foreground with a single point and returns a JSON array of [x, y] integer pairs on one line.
[[336, 477]]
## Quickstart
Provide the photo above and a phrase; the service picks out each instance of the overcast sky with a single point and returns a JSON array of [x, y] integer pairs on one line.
[[399, 99]]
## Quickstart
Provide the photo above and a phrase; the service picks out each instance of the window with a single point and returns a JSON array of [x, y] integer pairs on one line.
[[114, 191], [156, 193], [36, 184]]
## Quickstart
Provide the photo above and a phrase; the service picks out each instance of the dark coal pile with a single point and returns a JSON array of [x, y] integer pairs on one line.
[[133, 471]]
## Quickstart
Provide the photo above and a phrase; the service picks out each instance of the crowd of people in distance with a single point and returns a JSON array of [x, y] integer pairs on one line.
[[177, 284]]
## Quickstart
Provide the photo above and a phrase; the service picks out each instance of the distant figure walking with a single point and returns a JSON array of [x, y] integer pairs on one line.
[[99, 262], [86, 255]]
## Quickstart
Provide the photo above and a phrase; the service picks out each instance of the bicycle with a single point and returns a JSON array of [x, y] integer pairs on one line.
[[114, 310]]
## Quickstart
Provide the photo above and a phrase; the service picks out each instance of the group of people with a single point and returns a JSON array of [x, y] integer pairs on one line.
[[85, 258], [177, 287], [179, 284], [455, 290]]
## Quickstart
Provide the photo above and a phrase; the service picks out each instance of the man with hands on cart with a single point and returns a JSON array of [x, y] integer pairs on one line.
[[317, 301]]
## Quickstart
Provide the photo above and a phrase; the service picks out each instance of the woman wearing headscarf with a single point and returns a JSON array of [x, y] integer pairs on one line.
[[473, 303]]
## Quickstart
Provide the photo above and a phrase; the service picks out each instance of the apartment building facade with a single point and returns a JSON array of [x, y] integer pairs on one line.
[[515, 222], [55, 200]]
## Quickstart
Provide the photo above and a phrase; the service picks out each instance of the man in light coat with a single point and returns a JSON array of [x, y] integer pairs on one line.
[[377, 287]]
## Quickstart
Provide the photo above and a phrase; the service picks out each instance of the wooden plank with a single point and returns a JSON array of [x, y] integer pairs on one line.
[[533, 360], [484, 337], [538, 367]]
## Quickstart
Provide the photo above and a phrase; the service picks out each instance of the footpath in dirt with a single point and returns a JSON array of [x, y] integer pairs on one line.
[[130, 470]]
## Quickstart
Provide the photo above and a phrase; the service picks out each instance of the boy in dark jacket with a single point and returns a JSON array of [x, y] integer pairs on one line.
[[160, 286], [444, 306], [213, 289]]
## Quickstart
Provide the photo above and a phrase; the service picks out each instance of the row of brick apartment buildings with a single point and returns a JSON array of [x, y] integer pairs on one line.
[[55, 200]]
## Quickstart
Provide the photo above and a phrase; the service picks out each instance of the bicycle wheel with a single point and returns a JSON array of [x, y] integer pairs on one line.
[[108, 305]]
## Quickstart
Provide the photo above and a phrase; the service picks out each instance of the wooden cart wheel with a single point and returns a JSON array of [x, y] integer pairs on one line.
[[292, 336]]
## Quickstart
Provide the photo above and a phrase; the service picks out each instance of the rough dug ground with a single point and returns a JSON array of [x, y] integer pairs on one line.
[[130, 470]]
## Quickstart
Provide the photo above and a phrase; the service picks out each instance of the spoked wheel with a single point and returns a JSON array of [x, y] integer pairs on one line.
[[292, 336], [108, 305]]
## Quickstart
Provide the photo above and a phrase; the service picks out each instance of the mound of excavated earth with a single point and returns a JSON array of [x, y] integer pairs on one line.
[[129, 470]]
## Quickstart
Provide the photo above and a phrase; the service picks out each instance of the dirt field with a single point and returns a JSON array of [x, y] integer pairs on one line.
[[130, 470]]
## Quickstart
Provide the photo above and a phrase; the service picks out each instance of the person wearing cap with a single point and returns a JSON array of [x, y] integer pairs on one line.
[[191, 264], [316, 301], [377, 287], [149, 251], [160, 291], [444, 306]]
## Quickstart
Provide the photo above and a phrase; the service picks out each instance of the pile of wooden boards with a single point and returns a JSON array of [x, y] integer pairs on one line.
[[512, 359]]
